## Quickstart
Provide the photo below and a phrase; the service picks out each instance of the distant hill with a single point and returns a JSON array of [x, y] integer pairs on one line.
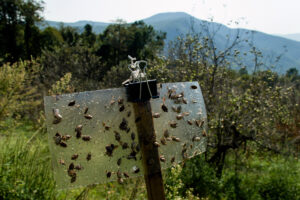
[[179, 23], [295, 36]]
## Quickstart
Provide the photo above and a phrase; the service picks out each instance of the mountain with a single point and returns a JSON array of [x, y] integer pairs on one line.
[[295, 36], [179, 23]]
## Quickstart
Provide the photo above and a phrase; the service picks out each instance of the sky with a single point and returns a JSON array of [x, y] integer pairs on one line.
[[269, 16]]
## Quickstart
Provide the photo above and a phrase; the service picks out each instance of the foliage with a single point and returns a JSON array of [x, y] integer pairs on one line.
[[84, 66], [18, 95]]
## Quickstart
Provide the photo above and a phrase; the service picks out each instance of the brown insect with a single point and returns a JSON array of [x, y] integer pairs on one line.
[[156, 115], [135, 169], [119, 174], [163, 141], [78, 128], [88, 116], [132, 136], [121, 108], [173, 124], [109, 149], [133, 146], [120, 181], [74, 157], [120, 101], [166, 133], [194, 87], [71, 103], [72, 172], [126, 174], [176, 139], [119, 161], [123, 125], [57, 115], [190, 122], [176, 109], [78, 131], [108, 174], [73, 179], [185, 113], [71, 166], [163, 106], [162, 158], [89, 156], [138, 119], [179, 117], [199, 123], [125, 145], [78, 167], [173, 159], [204, 133], [184, 100], [194, 101], [63, 144], [117, 136], [156, 144], [66, 137], [196, 139], [86, 110], [57, 138], [86, 138], [112, 101], [62, 162]]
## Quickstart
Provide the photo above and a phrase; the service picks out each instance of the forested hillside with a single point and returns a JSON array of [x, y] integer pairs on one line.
[[179, 24], [253, 118]]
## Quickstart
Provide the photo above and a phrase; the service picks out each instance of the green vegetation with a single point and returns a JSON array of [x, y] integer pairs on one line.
[[253, 118]]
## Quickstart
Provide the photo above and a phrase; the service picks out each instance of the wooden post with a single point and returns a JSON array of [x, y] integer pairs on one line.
[[150, 155]]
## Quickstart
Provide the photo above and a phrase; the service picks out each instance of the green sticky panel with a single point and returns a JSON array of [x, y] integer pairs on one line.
[[104, 149], [180, 122], [93, 136]]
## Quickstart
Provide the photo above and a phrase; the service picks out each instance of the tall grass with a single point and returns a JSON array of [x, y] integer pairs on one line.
[[25, 169]]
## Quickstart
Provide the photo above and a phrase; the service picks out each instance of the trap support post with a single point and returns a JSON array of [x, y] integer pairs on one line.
[[150, 156], [147, 137]]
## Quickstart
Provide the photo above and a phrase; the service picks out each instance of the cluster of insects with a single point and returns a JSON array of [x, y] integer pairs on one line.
[[124, 138], [61, 140], [178, 99]]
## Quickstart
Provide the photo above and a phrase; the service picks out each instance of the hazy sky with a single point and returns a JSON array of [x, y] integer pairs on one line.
[[270, 16]]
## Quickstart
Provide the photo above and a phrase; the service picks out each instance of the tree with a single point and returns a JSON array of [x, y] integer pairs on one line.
[[88, 37], [18, 30], [137, 39]]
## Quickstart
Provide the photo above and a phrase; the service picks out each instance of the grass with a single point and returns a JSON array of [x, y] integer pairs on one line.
[[26, 173]]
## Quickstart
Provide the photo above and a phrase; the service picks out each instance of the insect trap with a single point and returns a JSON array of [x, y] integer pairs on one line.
[[110, 135]]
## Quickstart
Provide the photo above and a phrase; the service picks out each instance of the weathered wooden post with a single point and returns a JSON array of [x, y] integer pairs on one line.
[[115, 134]]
